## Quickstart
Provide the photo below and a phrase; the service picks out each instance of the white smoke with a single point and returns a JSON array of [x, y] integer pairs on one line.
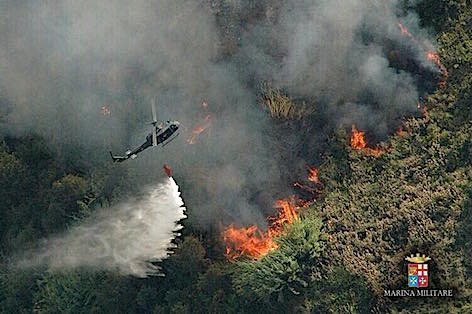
[[127, 237]]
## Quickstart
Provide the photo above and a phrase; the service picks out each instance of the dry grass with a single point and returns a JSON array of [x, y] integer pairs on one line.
[[281, 106]]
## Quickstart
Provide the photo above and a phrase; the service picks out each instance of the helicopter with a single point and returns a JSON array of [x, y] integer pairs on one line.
[[161, 134]]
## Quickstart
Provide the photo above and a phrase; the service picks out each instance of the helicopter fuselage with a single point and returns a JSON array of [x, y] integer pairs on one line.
[[164, 136]]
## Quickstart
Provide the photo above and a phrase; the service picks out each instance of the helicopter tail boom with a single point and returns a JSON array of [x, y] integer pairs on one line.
[[117, 158]]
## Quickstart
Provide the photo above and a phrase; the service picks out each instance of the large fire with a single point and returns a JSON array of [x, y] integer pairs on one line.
[[248, 241], [198, 129], [358, 143], [251, 241]]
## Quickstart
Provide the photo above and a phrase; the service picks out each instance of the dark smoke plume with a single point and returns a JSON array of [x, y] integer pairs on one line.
[[60, 63]]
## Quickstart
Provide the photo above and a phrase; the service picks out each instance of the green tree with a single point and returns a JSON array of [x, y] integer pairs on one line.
[[65, 196], [281, 280]]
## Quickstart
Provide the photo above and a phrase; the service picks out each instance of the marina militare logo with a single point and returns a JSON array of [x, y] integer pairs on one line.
[[418, 277], [418, 271]]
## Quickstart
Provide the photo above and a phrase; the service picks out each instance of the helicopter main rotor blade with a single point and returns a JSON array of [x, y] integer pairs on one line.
[[153, 108]]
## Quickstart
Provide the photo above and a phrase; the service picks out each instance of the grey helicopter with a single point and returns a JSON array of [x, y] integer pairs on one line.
[[162, 133]]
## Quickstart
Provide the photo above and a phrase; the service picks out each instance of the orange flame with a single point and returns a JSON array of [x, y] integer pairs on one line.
[[199, 128], [430, 55], [252, 242], [358, 143], [313, 175], [434, 57], [314, 189], [423, 110], [286, 215], [248, 241], [400, 132], [357, 139], [404, 30]]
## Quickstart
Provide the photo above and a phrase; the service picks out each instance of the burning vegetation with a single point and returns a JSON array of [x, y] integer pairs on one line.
[[365, 218], [434, 57], [254, 243], [358, 142], [199, 128], [311, 189], [429, 54], [313, 175], [403, 30], [400, 132], [357, 139]]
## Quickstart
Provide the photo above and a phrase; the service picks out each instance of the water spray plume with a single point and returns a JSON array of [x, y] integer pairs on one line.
[[127, 237]]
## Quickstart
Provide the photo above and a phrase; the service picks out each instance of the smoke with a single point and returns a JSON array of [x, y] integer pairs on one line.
[[127, 237], [61, 62], [338, 55]]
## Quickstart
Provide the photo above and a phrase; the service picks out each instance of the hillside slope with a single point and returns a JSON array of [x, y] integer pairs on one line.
[[375, 211]]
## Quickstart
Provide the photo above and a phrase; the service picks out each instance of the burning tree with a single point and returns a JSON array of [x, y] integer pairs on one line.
[[286, 271], [358, 142]]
